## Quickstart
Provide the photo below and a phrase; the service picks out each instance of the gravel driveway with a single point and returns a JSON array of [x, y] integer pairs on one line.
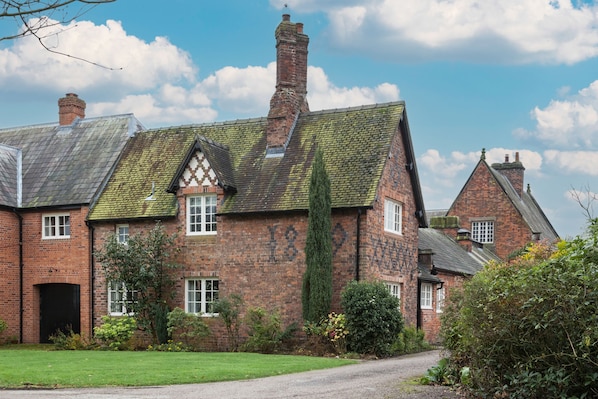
[[387, 378]]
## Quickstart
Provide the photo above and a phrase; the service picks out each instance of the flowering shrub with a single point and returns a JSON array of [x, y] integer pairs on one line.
[[116, 332], [335, 330]]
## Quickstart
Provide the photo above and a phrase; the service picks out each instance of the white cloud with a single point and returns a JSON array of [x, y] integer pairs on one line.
[[570, 123], [323, 94], [26, 65], [158, 81], [574, 162], [508, 31]]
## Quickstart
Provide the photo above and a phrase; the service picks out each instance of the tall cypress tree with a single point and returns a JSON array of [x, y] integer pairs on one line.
[[316, 296]]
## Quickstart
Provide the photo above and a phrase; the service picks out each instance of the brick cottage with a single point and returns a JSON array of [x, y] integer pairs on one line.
[[235, 192]]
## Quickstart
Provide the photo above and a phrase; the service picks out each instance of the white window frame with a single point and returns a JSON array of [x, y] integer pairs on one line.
[[200, 295], [425, 298], [122, 233], [394, 289], [482, 231], [393, 216], [207, 209], [56, 226], [440, 297], [118, 294]]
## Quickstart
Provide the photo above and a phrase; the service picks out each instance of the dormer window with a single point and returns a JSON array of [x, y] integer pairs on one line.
[[201, 214]]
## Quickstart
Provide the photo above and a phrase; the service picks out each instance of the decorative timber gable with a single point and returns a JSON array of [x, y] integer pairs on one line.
[[198, 172]]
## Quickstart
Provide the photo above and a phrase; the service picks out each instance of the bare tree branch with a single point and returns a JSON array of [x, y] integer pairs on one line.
[[586, 199], [37, 15]]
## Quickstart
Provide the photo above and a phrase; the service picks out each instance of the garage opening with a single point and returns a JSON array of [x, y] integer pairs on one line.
[[59, 310]]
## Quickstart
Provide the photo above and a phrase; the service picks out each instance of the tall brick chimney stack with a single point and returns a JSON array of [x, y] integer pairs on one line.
[[289, 99], [513, 171], [69, 108]]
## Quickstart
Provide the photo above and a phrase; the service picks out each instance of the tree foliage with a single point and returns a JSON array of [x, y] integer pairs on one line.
[[527, 329], [145, 265], [373, 317], [316, 296]]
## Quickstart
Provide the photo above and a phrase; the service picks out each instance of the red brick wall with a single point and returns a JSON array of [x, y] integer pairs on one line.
[[261, 256], [431, 318], [9, 274], [54, 261], [387, 256], [482, 197]]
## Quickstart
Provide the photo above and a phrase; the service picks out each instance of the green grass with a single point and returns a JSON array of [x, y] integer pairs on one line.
[[57, 369]]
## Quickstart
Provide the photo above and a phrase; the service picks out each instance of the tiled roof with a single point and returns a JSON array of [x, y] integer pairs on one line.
[[527, 206], [355, 142], [66, 165], [449, 256]]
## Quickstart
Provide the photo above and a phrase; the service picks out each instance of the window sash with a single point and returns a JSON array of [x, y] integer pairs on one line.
[[426, 296], [393, 216], [482, 232], [201, 294], [201, 214], [122, 232], [56, 226], [440, 295], [120, 299]]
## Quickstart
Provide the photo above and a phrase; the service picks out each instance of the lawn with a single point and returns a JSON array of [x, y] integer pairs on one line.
[[59, 369]]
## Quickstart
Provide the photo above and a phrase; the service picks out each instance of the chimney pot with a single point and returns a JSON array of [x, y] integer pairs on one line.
[[517, 156], [299, 27], [506, 158], [286, 17]]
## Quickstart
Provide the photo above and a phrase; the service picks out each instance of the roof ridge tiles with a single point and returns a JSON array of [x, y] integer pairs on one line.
[[356, 108]]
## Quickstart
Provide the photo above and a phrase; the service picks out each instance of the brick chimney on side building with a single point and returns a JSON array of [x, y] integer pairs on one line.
[[70, 107]]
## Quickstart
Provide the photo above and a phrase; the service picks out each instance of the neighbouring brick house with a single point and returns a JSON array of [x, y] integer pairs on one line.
[[49, 175], [445, 263], [237, 193], [494, 207]]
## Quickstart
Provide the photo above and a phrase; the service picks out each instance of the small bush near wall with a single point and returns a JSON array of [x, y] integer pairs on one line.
[[116, 332], [188, 329], [265, 331], [373, 317], [410, 340]]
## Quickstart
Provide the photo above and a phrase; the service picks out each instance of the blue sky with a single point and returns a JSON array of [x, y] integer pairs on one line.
[[509, 76]]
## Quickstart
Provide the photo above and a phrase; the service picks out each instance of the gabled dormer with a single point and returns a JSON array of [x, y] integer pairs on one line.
[[203, 178]]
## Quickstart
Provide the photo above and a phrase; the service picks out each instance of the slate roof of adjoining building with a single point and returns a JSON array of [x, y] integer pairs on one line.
[[62, 165], [449, 256], [355, 143]]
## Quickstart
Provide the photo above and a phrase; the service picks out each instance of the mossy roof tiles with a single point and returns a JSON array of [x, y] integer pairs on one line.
[[355, 143]]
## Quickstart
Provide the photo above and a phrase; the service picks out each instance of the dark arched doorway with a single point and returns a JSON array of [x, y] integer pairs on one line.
[[59, 310]]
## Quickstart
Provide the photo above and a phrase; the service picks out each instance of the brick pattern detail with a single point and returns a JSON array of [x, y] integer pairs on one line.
[[482, 197]]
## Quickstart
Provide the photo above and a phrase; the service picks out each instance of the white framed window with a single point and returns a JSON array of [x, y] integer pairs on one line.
[[394, 289], [122, 233], [440, 295], [120, 299], [200, 295], [393, 216], [482, 231], [56, 226], [425, 300], [201, 214]]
